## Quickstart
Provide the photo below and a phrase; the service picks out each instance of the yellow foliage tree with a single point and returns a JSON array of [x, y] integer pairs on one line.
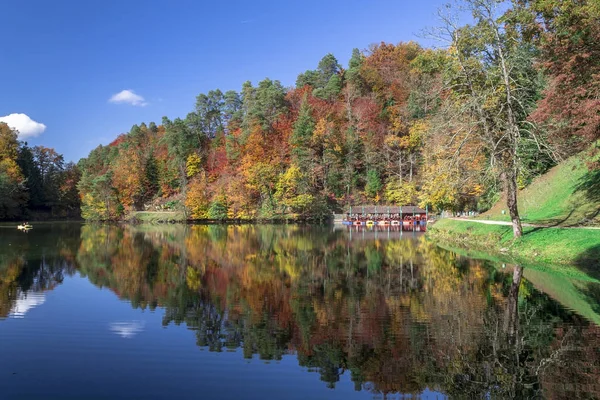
[[288, 192], [197, 198], [400, 193], [193, 165]]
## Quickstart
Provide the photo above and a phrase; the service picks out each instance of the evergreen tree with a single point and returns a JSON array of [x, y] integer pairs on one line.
[[374, 184], [33, 178], [300, 139]]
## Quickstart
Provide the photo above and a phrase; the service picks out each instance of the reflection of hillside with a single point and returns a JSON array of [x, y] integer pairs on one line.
[[22, 285], [398, 316]]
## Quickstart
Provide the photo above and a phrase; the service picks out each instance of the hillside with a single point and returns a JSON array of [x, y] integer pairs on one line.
[[567, 195]]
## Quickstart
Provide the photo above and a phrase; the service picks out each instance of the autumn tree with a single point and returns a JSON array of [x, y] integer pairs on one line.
[[291, 191], [99, 199], [568, 35], [198, 198], [12, 182], [69, 203]]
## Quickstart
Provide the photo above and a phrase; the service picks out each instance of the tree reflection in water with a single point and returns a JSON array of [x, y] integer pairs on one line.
[[398, 315]]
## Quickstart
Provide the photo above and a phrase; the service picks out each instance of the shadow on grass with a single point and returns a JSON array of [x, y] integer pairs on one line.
[[551, 223], [589, 261], [589, 185], [592, 293]]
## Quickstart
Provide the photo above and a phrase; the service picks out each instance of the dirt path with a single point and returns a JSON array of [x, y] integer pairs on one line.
[[507, 223]]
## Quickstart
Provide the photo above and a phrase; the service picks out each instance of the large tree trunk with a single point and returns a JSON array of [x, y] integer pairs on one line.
[[511, 202], [512, 126]]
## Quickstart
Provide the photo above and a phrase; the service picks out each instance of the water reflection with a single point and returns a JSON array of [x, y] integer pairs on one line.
[[25, 302], [128, 329], [397, 314]]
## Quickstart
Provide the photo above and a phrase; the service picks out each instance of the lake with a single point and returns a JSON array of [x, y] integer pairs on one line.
[[284, 312]]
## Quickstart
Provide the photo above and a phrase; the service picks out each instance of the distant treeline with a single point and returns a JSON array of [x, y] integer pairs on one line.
[[35, 182], [512, 93]]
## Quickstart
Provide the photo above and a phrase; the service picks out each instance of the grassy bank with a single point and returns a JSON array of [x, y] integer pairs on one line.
[[579, 247], [156, 217], [567, 195]]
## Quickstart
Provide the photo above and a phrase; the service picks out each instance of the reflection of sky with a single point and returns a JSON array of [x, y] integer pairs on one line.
[[127, 329], [25, 302]]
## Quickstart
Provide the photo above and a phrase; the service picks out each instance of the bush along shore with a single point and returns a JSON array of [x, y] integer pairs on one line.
[[560, 246]]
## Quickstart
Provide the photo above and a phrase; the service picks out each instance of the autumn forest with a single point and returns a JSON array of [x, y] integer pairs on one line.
[[493, 104]]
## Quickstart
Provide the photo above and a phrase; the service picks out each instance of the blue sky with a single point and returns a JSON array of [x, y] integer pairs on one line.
[[62, 61]]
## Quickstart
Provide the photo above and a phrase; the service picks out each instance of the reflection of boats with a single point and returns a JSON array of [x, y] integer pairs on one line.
[[24, 227], [381, 231]]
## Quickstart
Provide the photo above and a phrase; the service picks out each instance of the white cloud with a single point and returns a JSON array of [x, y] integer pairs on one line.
[[128, 97], [25, 125]]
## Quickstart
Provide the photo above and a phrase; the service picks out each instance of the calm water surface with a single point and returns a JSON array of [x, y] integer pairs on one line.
[[257, 312]]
